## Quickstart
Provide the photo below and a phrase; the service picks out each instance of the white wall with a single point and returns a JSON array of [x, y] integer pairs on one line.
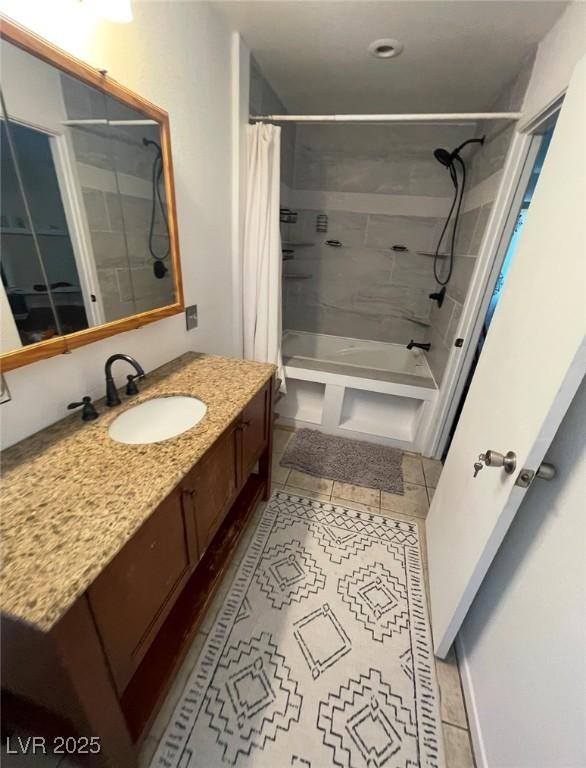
[[556, 57], [240, 115], [177, 55], [525, 635], [522, 644]]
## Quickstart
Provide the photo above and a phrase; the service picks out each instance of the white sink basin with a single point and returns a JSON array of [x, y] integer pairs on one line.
[[157, 419]]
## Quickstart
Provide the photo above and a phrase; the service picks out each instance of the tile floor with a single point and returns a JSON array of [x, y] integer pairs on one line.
[[420, 477]]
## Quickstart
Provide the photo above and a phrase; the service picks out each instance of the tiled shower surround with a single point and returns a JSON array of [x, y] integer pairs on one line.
[[386, 198], [264, 101], [485, 166], [115, 172]]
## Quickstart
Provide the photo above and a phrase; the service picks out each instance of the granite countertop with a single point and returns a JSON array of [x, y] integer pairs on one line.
[[72, 497]]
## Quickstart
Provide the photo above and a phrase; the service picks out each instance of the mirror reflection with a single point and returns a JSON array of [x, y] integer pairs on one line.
[[84, 222]]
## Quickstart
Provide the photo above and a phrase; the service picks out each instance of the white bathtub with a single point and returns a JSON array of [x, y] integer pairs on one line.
[[376, 355], [369, 390]]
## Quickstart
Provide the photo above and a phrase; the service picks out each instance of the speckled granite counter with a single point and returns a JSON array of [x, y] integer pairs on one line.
[[72, 497]]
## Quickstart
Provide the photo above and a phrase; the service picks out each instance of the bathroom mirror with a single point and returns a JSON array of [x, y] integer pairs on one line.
[[88, 235]]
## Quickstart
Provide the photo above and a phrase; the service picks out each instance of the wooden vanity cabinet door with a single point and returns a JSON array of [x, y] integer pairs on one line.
[[132, 596], [213, 484], [255, 430]]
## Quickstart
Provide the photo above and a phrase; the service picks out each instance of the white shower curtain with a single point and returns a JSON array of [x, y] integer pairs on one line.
[[262, 260]]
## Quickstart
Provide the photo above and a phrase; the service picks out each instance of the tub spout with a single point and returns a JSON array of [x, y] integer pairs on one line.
[[419, 345]]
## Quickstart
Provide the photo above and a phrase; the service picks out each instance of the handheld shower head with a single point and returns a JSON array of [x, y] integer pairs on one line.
[[447, 158], [151, 143], [453, 162], [443, 156]]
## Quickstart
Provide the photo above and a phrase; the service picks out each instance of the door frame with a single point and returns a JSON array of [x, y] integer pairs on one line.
[[71, 199], [79, 233], [501, 223]]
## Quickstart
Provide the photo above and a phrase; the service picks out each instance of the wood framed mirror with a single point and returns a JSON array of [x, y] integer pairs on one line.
[[88, 229]]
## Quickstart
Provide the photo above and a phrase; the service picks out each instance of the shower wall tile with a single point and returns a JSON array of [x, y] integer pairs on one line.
[[452, 329], [116, 310], [483, 162], [445, 319], [95, 208], [136, 213], [416, 233], [465, 232], [438, 355], [364, 289], [109, 249], [114, 209], [138, 249], [393, 178], [124, 284], [336, 173], [91, 149], [348, 228], [461, 276], [428, 177], [108, 284], [480, 229], [256, 88], [414, 271], [263, 100], [491, 157]]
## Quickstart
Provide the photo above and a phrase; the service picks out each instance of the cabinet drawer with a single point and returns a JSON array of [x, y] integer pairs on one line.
[[212, 484], [255, 429], [134, 593]]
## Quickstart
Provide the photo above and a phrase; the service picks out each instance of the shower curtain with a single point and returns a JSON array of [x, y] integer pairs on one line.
[[262, 260]]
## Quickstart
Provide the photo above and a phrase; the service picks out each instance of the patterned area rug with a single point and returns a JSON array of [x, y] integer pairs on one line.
[[321, 653], [349, 461]]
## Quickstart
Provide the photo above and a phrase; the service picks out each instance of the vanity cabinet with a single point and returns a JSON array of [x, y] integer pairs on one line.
[[132, 596], [91, 646], [255, 426], [211, 486], [147, 601]]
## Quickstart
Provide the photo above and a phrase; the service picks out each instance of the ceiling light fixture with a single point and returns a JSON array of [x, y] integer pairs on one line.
[[385, 48]]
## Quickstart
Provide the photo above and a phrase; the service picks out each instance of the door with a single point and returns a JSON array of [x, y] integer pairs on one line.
[[532, 362]]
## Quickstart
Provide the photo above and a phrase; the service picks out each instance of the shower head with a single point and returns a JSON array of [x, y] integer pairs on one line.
[[447, 158], [151, 143], [443, 156]]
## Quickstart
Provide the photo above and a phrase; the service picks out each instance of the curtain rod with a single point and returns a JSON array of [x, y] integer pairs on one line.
[[413, 118], [106, 121]]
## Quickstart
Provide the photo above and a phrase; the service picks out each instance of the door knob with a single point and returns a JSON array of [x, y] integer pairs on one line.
[[495, 459]]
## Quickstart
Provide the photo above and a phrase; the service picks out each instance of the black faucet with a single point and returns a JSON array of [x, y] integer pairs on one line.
[[112, 398], [419, 345], [439, 296], [88, 412]]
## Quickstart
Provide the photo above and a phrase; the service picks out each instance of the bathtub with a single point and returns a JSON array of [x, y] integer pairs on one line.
[[368, 390]]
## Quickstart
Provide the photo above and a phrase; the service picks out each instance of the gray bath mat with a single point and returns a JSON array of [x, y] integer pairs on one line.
[[349, 461]]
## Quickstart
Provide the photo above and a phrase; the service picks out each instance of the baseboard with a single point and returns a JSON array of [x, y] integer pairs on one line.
[[471, 708]]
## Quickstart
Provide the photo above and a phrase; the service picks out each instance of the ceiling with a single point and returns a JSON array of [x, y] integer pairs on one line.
[[458, 53]]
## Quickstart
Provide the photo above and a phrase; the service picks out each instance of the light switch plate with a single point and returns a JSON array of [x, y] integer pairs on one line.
[[191, 317]]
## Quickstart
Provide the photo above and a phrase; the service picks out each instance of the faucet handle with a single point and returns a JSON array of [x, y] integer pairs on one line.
[[131, 388], [88, 412]]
